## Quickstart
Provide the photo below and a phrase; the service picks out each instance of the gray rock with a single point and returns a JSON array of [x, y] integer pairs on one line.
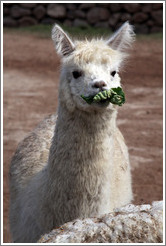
[[17, 11], [132, 7], [96, 14], [80, 14], [150, 23], [9, 22], [129, 224], [146, 8], [119, 24], [157, 6], [56, 11], [27, 21], [158, 17], [39, 12], [115, 7], [6, 11], [28, 5], [47, 20], [87, 5], [93, 15], [141, 28], [103, 5], [125, 17], [67, 23], [139, 17], [71, 6], [114, 19], [80, 23], [70, 14], [155, 29], [104, 14]]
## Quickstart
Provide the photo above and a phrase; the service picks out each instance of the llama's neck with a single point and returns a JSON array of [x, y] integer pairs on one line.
[[80, 136], [80, 162]]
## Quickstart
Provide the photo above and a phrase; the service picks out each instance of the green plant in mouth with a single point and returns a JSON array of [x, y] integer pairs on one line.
[[114, 96]]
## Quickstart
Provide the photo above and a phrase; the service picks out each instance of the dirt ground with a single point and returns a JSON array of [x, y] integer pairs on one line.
[[31, 71]]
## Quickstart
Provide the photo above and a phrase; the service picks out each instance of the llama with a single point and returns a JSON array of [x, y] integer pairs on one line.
[[75, 164]]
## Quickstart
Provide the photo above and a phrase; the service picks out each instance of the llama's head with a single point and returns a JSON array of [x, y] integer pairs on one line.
[[89, 67]]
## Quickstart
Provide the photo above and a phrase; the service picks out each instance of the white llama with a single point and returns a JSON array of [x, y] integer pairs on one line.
[[80, 169]]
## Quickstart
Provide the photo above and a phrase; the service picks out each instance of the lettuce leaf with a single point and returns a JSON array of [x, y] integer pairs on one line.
[[114, 96]]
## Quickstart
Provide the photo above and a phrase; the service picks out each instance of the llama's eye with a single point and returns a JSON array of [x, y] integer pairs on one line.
[[113, 73], [77, 74]]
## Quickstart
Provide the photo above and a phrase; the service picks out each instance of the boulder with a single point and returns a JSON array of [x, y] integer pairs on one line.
[[47, 20], [67, 23], [39, 12], [80, 14], [125, 17], [71, 6], [115, 7], [17, 11], [71, 14], [132, 7], [146, 8], [6, 11], [9, 22], [129, 224], [96, 14], [27, 21], [93, 15], [150, 23], [28, 5], [155, 29], [157, 6], [139, 17], [87, 5], [104, 14], [56, 11], [158, 17], [141, 28], [114, 19]]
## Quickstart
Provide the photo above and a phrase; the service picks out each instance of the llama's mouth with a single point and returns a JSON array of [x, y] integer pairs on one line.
[[102, 103], [114, 96]]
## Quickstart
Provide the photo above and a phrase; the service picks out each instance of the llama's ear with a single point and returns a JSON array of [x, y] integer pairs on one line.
[[122, 38], [63, 44]]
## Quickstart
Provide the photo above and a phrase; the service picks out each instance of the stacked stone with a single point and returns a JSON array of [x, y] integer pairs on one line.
[[146, 17]]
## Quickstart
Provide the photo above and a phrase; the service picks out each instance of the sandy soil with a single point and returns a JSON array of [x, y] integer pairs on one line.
[[31, 71]]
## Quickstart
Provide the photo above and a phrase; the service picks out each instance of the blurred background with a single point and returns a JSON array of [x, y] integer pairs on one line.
[[31, 76], [146, 17]]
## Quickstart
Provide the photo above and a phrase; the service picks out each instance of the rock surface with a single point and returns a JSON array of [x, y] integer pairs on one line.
[[39, 12], [56, 10], [93, 14], [129, 224], [17, 12]]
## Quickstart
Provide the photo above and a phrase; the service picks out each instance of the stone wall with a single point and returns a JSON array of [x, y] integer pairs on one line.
[[146, 17]]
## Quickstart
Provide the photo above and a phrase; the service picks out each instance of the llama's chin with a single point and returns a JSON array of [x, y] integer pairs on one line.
[[102, 104], [96, 107]]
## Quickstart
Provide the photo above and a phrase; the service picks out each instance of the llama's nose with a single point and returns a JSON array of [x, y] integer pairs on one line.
[[99, 84]]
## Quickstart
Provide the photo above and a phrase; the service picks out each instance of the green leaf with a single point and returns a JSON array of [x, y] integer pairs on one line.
[[114, 95], [89, 99]]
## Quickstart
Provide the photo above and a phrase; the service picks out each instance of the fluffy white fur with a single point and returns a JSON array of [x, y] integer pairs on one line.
[[80, 169]]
